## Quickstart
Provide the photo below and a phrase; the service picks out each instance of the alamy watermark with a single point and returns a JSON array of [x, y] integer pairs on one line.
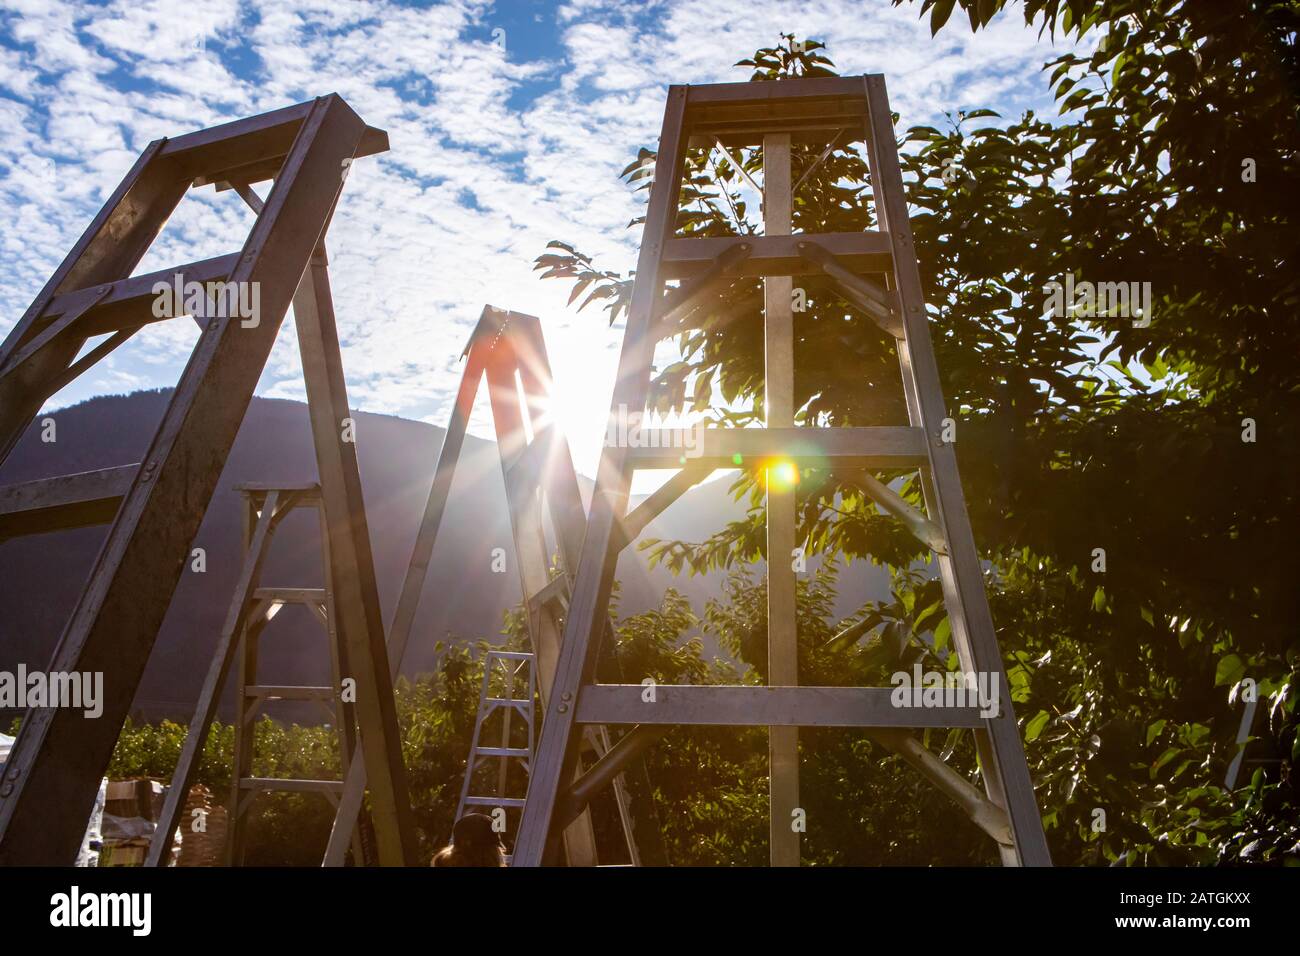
[[78, 690], [214, 299], [76, 908], [1125, 300], [946, 689], [625, 430]]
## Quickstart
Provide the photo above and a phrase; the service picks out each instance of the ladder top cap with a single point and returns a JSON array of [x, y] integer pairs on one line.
[[493, 321], [374, 140], [252, 149], [812, 109], [792, 88]]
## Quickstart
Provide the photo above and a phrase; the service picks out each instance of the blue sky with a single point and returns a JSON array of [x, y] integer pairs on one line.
[[509, 124]]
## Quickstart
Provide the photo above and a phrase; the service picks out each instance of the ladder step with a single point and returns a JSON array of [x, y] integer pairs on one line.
[[746, 706], [502, 752], [132, 298], [529, 467], [66, 501], [283, 692], [495, 801], [859, 252], [303, 490], [288, 785], [556, 590], [879, 447], [291, 595]]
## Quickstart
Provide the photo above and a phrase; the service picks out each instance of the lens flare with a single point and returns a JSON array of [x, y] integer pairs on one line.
[[782, 474]]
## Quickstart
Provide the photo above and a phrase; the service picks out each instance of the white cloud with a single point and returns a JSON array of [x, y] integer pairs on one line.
[[494, 151]]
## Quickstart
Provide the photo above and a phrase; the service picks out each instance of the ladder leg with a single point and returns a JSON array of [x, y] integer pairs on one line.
[[111, 247], [632, 788], [241, 764], [352, 571], [1002, 754], [588, 610], [483, 709], [412, 585], [344, 711], [532, 557], [503, 771], [782, 639]]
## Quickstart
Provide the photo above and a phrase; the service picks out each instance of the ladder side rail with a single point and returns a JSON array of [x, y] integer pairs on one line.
[[531, 555], [588, 613], [408, 601], [1007, 773], [351, 568], [110, 248]]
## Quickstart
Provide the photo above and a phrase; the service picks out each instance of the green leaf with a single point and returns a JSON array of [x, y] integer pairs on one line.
[[939, 16], [1165, 757], [942, 634], [1230, 670], [1155, 730], [1036, 725]]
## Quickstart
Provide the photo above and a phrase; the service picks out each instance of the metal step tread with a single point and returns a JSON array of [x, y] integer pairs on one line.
[[495, 801]]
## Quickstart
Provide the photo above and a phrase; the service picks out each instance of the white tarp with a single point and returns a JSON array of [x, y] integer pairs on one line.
[[88, 855]]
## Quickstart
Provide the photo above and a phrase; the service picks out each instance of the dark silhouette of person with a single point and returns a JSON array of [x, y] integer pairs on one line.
[[473, 843]]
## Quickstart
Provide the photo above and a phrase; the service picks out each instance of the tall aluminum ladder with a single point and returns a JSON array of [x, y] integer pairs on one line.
[[91, 306], [774, 115]]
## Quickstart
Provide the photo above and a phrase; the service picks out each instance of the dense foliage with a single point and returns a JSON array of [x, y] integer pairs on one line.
[[1168, 440]]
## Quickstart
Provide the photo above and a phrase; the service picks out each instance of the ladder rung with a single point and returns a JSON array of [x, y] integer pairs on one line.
[[879, 447], [291, 595], [556, 590], [860, 252], [507, 701], [64, 501], [285, 692], [748, 706], [528, 468], [288, 785], [512, 655], [303, 490], [502, 752], [130, 299], [495, 801]]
